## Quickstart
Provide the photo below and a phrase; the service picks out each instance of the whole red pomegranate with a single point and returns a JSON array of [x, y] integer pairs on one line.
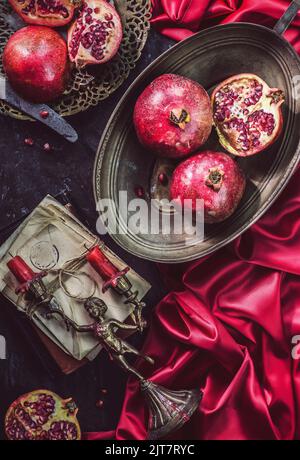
[[247, 114], [42, 415], [95, 36], [212, 177], [51, 13], [35, 60], [173, 116]]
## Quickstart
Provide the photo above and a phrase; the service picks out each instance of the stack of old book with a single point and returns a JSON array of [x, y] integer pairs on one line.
[[49, 239]]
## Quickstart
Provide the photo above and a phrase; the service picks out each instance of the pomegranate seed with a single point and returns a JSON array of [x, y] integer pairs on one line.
[[44, 114], [163, 179], [139, 192], [99, 404], [104, 391], [29, 141], [47, 147], [220, 116]]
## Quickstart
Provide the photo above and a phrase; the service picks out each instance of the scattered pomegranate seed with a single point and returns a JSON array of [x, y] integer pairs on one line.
[[104, 391], [139, 191], [47, 147], [99, 404], [163, 179], [28, 141], [44, 114]]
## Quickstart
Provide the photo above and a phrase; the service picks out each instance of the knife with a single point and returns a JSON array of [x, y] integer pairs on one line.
[[53, 120]]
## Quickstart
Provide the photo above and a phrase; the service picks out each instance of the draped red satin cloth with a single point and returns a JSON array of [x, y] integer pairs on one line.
[[228, 324]]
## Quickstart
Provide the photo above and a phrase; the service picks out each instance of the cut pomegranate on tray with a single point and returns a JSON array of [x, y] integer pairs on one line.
[[247, 114], [53, 13], [42, 415], [172, 116], [95, 36]]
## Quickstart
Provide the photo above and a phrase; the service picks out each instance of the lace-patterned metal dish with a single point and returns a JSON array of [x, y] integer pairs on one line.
[[89, 86]]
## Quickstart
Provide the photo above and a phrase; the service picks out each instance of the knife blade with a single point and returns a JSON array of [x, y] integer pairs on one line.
[[53, 120]]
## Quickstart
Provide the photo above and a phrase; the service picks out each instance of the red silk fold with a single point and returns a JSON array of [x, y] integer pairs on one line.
[[179, 19], [227, 326]]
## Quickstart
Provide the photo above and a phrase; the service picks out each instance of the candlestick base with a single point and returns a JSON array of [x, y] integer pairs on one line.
[[169, 410], [35, 284], [119, 282]]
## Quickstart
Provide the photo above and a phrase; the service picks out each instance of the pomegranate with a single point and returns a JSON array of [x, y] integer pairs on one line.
[[212, 177], [247, 114], [95, 36], [51, 13], [172, 116], [35, 60], [42, 415]]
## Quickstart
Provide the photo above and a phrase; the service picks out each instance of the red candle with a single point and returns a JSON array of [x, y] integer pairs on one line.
[[101, 264], [20, 269]]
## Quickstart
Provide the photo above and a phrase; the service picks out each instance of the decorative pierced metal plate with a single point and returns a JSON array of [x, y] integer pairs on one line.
[[89, 86]]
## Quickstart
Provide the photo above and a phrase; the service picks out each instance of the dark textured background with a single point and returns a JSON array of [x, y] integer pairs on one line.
[[27, 174]]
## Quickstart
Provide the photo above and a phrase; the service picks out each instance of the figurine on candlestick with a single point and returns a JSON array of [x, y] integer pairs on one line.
[[105, 330], [118, 281], [169, 410]]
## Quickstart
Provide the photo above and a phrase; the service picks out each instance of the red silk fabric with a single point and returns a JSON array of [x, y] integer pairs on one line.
[[178, 19], [227, 326]]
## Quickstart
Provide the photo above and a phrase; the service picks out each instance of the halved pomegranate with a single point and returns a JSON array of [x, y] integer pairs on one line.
[[42, 415], [95, 36], [53, 13], [247, 114]]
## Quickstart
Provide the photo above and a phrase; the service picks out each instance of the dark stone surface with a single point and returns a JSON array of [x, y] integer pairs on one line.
[[27, 174]]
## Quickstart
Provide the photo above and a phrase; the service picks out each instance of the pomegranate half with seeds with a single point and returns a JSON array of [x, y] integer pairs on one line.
[[247, 114], [42, 415], [213, 177], [53, 13], [95, 36], [173, 116]]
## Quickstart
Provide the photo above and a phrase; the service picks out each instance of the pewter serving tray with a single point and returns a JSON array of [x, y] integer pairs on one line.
[[208, 57]]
